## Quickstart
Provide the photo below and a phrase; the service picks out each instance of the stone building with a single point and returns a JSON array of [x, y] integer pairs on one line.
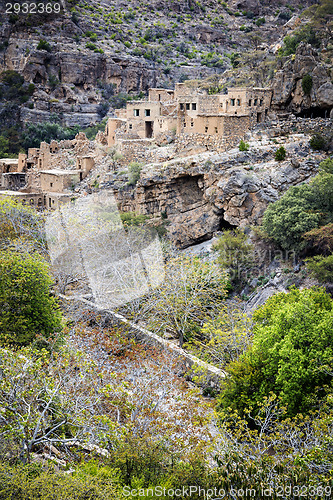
[[190, 111], [34, 180]]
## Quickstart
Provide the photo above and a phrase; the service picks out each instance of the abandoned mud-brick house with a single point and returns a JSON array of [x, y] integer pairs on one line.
[[34, 180], [188, 111]]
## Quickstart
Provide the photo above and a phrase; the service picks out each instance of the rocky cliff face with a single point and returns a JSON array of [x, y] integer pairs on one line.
[[206, 193], [91, 51], [287, 86]]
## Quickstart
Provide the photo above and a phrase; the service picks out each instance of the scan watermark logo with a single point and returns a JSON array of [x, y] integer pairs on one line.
[[87, 238]]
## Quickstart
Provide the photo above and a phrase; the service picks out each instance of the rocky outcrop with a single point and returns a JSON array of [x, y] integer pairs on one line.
[[203, 194], [287, 86]]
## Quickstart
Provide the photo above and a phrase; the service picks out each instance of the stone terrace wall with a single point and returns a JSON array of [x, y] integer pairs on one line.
[[199, 372], [134, 150], [210, 142], [297, 125]]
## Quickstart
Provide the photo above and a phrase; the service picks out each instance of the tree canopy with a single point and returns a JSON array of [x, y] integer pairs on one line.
[[291, 353], [27, 308]]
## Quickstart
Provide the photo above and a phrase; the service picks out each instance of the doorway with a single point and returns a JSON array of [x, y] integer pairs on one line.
[[149, 130]]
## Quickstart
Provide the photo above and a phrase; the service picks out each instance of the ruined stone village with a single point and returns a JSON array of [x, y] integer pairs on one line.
[[38, 179], [186, 140]]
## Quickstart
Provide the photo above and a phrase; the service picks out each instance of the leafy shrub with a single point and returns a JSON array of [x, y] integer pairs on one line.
[[27, 309], [321, 268], [132, 218], [34, 134], [318, 142], [32, 481], [91, 46], [53, 82], [234, 254], [321, 239], [292, 345], [91, 35], [134, 173], [307, 84], [12, 78], [243, 146], [44, 45], [280, 154], [260, 21], [103, 108], [306, 34], [300, 210], [286, 220]]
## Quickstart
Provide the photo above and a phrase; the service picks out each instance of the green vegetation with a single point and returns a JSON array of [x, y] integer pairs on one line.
[[305, 34], [280, 154], [34, 134], [318, 142], [28, 312], [292, 347], [307, 84], [321, 268], [133, 219], [286, 220], [243, 146], [235, 254], [21, 227], [44, 45], [134, 170], [300, 210]]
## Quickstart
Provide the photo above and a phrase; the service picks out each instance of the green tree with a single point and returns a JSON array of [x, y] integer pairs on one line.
[[286, 220], [27, 308], [307, 84], [318, 142], [292, 345], [134, 171], [235, 255]]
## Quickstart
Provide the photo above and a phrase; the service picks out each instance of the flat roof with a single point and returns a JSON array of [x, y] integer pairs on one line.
[[56, 194], [9, 160], [160, 88], [18, 193], [60, 172]]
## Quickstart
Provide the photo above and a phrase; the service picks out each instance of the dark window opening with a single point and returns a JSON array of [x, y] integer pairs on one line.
[[206, 130], [136, 112], [181, 106], [238, 102], [147, 112], [232, 102], [130, 126], [194, 106], [255, 102], [51, 184], [250, 102], [187, 105]]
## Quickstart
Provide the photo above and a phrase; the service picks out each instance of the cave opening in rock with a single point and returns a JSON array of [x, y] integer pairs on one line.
[[224, 225], [315, 112]]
